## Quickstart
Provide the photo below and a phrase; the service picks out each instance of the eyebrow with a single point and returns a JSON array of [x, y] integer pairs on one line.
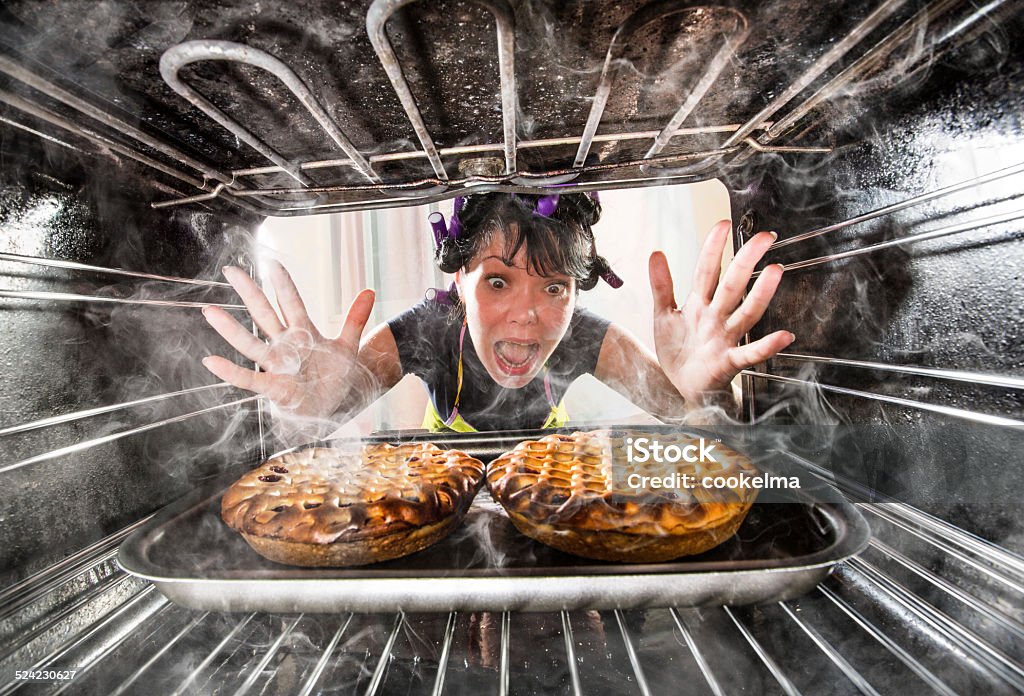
[[508, 262]]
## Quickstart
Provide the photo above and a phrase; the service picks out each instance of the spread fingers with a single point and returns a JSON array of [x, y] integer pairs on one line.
[[288, 298], [756, 302], [356, 318], [760, 350], [661, 283], [737, 275], [255, 301], [240, 338], [225, 370], [709, 263]]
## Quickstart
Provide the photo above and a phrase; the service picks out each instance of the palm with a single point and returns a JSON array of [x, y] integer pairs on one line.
[[306, 372], [697, 346], [303, 372]]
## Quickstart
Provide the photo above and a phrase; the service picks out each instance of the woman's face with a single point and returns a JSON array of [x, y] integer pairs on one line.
[[515, 318]]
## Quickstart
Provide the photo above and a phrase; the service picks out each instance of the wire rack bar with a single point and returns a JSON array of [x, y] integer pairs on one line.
[[904, 204], [96, 591], [990, 612], [991, 659], [321, 664], [613, 59], [838, 50], [781, 678], [479, 179], [698, 656], [177, 57], [105, 143], [939, 533], [74, 297], [439, 190], [90, 412], [725, 53], [522, 178], [634, 660], [39, 584], [131, 679], [94, 137], [954, 375], [973, 18], [838, 660], [376, 23], [111, 647], [74, 265], [570, 655], [446, 648], [159, 604], [44, 136], [888, 643], [935, 408], [505, 21], [938, 537], [923, 236], [86, 444], [496, 147], [51, 90], [213, 653], [257, 671], [385, 656], [199, 198], [862, 65], [506, 621]]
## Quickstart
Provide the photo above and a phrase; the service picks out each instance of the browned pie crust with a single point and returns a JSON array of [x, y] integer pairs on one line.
[[326, 507], [564, 491]]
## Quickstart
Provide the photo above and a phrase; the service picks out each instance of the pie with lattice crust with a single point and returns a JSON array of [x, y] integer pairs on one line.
[[327, 507], [578, 494]]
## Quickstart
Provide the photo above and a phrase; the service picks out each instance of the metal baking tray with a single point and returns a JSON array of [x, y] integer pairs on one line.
[[789, 542]]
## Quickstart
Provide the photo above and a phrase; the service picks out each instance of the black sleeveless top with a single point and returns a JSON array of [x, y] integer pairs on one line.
[[428, 345]]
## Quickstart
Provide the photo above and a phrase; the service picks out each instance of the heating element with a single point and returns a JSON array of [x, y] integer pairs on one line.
[[142, 143]]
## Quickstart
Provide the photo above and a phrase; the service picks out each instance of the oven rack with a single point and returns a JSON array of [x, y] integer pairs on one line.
[[1003, 176], [883, 618], [757, 135]]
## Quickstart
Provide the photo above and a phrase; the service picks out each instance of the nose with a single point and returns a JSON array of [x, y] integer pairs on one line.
[[523, 308]]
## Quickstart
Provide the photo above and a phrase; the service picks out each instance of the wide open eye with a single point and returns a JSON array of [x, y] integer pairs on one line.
[[497, 282], [556, 289]]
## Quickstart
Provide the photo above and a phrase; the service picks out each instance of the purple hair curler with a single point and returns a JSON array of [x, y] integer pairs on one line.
[[455, 225], [436, 221], [612, 279], [442, 297], [546, 205]]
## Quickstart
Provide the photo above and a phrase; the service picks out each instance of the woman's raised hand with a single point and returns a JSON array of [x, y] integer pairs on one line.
[[304, 373], [698, 345]]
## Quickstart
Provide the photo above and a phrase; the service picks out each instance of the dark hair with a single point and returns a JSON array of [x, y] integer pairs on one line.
[[559, 242]]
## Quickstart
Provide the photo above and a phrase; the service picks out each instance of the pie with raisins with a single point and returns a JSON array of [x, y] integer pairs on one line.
[[326, 507], [575, 493]]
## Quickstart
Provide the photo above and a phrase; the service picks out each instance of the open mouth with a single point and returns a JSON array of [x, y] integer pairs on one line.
[[515, 358]]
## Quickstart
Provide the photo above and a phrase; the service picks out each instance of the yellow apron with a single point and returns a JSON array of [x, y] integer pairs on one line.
[[433, 422]]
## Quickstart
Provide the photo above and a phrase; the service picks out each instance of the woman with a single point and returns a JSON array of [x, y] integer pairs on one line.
[[500, 352]]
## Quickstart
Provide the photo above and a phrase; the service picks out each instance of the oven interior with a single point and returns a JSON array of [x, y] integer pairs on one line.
[[143, 143]]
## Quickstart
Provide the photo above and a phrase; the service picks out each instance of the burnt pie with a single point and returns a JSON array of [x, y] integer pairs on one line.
[[575, 493], [327, 507]]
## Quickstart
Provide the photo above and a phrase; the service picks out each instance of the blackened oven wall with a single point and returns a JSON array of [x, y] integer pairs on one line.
[[59, 357], [954, 302]]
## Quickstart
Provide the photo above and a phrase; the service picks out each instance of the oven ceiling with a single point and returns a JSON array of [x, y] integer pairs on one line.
[[709, 79]]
